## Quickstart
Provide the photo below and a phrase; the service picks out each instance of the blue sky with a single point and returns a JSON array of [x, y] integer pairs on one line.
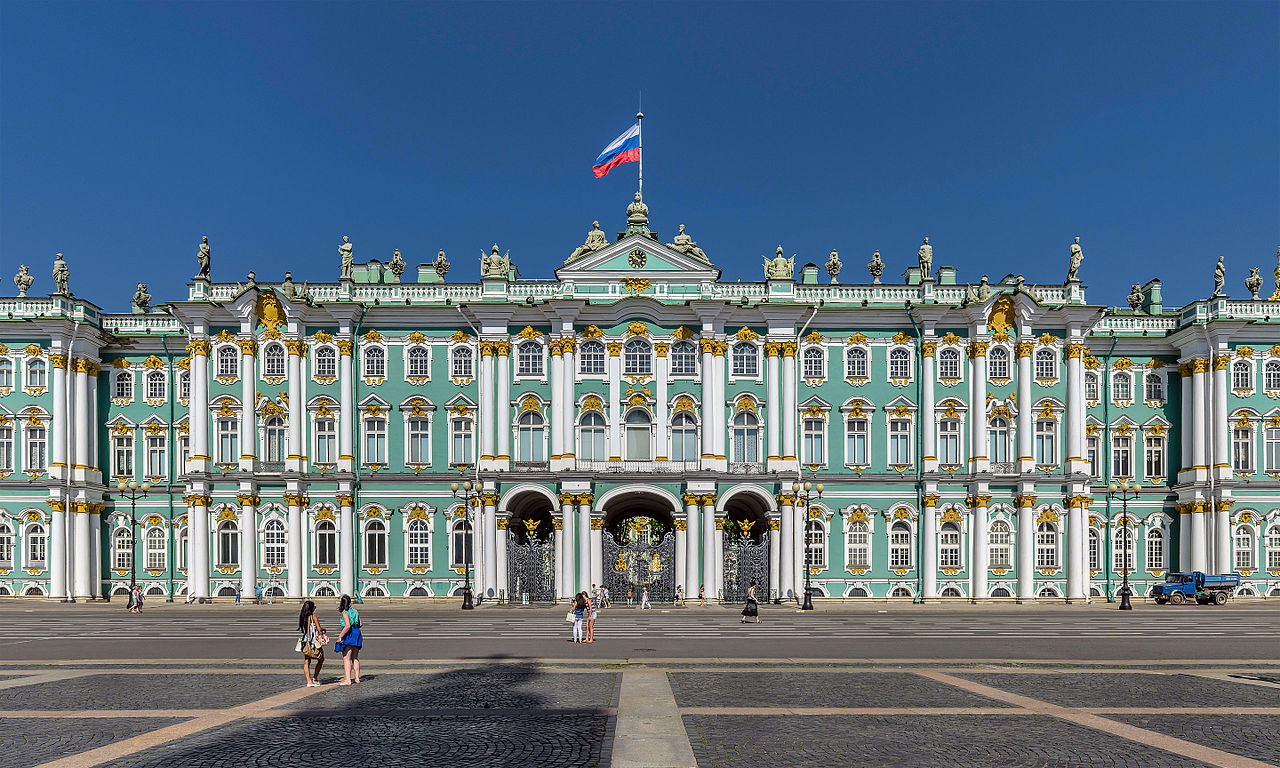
[[1001, 131]]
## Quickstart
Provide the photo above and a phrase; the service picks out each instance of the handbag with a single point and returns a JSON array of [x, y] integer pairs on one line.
[[298, 647], [322, 639], [569, 617]]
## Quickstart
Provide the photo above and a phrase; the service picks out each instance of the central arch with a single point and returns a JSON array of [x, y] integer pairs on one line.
[[746, 543], [531, 546], [639, 550]]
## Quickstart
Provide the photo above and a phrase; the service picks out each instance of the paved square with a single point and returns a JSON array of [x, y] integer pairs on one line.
[[1130, 689], [1256, 736], [519, 688], [765, 687], [25, 742], [152, 691]]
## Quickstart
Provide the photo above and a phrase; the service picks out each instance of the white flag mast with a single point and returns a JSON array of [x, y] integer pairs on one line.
[[640, 124]]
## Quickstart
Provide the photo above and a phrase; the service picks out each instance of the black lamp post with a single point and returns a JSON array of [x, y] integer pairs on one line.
[[804, 494], [470, 495], [132, 491], [1124, 491]]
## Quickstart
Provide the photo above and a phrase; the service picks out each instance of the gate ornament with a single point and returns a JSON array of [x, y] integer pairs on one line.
[[531, 526]]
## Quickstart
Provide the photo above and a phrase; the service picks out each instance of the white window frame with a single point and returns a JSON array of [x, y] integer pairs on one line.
[[326, 529], [273, 544], [595, 435], [950, 545], [157, 384], [375, 528], [273, 352], [1048, 356], [409, 433], [1155, 551], [901, 556], [122, 386], [1004, 358], [809, 437], [950, 356], [816, 354], [462, 362], [637, 358], [857, 547], [155, 557], [851, 362], [468, 437], [1048, 539], [748, 354], [865, 432], [1004, 545], [815, 545], [417, 553], [593, 350], [1242, 373], [123, 453], [369, 371], [410, 358], [323, 355], [1243, 542], [538, 358], [905, 358], [229, 354]]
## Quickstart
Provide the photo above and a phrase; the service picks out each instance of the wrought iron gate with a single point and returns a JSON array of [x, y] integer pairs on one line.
[[531, 567], [634, 559], [745, 560]]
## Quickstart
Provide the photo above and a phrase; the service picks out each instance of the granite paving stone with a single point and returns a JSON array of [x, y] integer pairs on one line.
[[991, 741], [1255, 736], [26, 742], [1130, 689], [161, 691], [818, 688], [473, 689]]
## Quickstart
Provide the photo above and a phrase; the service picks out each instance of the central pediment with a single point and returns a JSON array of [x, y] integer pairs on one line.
[[637, 256]]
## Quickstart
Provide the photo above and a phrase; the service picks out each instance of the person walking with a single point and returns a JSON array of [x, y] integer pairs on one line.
[[644, 598], [752, 608], [679, 595], [702, 595], [629, 593], [312, 643], [257, 594], [350, 639], [592, 606], [137, 598], [605, 602], [238, 594], [129, 605], [579, 610]]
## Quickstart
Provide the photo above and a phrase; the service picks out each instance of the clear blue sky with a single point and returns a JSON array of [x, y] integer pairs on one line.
[[128, 130]]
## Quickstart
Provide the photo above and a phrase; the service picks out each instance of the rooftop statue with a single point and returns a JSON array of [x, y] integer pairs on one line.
[[1136, 297], [61, 276], [779, 268], [876, 268], [926, 259], [638, 213], [1077, 256], [494, 266], [1253, 283], [287, 287], [348, 258], [685, 244], [596, 239], [970, 294], [142, 299], [203, 258], [23, 280], [441, 264], [1276, 274], [833, 265], [984, 289], [397, 265], [1219, 278]]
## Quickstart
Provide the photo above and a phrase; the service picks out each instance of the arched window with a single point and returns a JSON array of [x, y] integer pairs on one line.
[[949, 546], [856, 437], [419, 544], [855, 363], [6, 373], [273, 443], [228, 362], [1046, 364], [638, 435], [375, 363], [529, 359], [1155, 550], [326, 555], [998, 363], [857, 549], [1270, 376], [326, 440], [6, 545], [273, 543], [123, 389], [998, 440], [1121, 388], [1001, 538], [857, 592], [637, 358], [530, 429], [900, 548], [460, 545], [899, 364], [37, 439], [324, 592], [1154, 387], [684, 438], [37, 541], [1095, 550], [684, 359], [949, 442], [184, 385], [591, 431], [419, 439], [375, 544], [1241, 376], [1047, 545], [1123, 556], [157, 549], [746, 438], [1000, 592], [815, 545], [746, 359], [182, 551], [419, 363], [591, 358], [1091, 387], [814, 363], [1046, 441], [229, 542], [1047, 591], [326, 362], [900, 592], [1244, 548], [951, 592], [273, 362], [1273, 548], [155, 385], [37, 373], [463, 365], [949, 364], [122, 549]]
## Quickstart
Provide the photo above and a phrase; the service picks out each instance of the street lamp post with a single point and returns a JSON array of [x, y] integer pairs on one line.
[[1124, 491], [804, 494], [470, 495], [132, 491]]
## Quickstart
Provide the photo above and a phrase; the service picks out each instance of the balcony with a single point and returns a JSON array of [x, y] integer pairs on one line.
[[1004, 468], [746, 467], [530, 466], [620, 467]]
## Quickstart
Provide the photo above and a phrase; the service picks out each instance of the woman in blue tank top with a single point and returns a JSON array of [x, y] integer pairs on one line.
[[349, 641]]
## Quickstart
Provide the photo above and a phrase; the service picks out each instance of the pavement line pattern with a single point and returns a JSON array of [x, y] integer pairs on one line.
[[161, 736], [44, 677], [649, 731], [1089, 720]]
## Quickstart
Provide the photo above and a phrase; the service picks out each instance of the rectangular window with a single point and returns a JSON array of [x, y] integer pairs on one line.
[[1047, 547], [1242, 449], [1155, 551], [419, 441], [6, 448], [1244, 549], [228, 441], [326, 441], [900, 442], [37, 448], [1272, 436], [463, 442], [1121, 456], [123, 454], [1155, 458], [375, 441], [1155, 387], [949, 547], [1091, 451], [1046, 441], [157, 456], [855, 442], [184, 446], [949, 442], [1095, 556], [815, 446]]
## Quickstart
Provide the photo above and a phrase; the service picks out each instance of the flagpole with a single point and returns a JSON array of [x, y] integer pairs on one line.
[[640, 138]]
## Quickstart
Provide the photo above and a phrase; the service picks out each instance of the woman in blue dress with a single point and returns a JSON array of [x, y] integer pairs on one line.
[[349, 641]]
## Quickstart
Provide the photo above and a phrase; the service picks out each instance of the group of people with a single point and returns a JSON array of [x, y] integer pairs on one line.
[[314, 640], [135, 599], [257, 594]]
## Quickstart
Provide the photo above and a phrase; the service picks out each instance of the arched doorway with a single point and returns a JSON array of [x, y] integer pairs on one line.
[[746, 537], [531, 550], [639, 547]]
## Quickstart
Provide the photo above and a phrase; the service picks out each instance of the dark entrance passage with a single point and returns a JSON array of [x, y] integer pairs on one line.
[[639, 553], [531, 551], [746, 550]]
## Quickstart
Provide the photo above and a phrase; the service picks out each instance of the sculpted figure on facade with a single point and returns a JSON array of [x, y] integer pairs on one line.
[[142, 299], [61, 276], [441, 264], [346, 251], [925, 255], [984, 289], [23, 280], [397, 265], [1275, 296], [876, 268], [287, 287], [1253, 283], [596, 239], [638, 215], [779, 267], [834, 266], [1077, 256], [1219, 278], [1136, 297], [203, 259], [495, 266], [685, 244]]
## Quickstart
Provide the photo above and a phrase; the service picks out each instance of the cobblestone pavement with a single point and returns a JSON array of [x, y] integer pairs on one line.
[[25, 742], [817, 688], [153, 691], [1256, 736], [1101, 689], [476, 689]]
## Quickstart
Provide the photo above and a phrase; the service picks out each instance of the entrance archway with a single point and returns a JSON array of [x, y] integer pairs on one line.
[[639, 547], [531, 549], [746, 537]]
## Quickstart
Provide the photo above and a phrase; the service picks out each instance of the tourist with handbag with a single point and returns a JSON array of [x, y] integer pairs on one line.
[[350, 639], [579, 612], [312, 643]]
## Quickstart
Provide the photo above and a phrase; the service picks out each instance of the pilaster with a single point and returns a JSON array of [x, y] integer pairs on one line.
[[979, 562], [248, 415], [773, 406], [1026, 415], [502, 404], [346, 406], [1026, 549], [928, 421]]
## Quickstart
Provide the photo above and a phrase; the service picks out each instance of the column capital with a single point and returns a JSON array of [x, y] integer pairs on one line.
[[248, 499], [197, 500], [249, 347], [931, 499], [58, 361], [1075, 350], [788, 349], [199, 348], [978, 349], [296, 347], [1026, 501], [346, 347], [1025, 348], [928, 348], [568, 498], [772, 348], [978, 501], [692, 499], [345, 500], [786, 499]]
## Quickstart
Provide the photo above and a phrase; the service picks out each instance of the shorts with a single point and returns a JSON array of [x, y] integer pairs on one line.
[[593, 614]]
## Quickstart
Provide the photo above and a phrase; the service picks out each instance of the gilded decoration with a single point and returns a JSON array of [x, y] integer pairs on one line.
[[1122, 364], [1003, 314], [1024, 348], [615, 348], [1075, 350], [247, 346], [270, 312], [1047, 515], [1000, 337], [950, 515], [746, 334], [661, 349], [592, 403], [977, 349], [636, 285], [788, 349], [814, 338], [372, 335], [931, 499], [417, 337], [346, 347], [1025, 501], [1047, 339], [225, 336], [857, 515], [951, 339], [637, 328], [900, 337], [529, 333], [772, 348], [296, 347], [858, 339], [592, 332]]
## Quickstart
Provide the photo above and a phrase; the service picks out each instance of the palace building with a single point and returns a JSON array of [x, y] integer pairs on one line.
[[634, 421]]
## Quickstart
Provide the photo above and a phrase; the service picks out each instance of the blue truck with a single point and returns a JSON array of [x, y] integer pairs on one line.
[[1204, 588]]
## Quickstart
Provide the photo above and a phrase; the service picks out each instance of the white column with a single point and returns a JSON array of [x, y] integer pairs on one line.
[[1188, 450], [502, 403], [1026, 415], [58, 547], [929, 427], [1222, 538], [1198, 437], [1221, 427], [198, 544], [718, 412], [681, 564], [585, 568], [1026, 547], [249, 501], [660, 419], [346, 408], [710, 566], [347, 545], [248, 411], [708, 404], [83, 552], [500, 558], [597, 551], [979, 461], [568, 444], [96, 475], [297, 568], [929, 546], [692, 570], [789, 454], [787, 563], [558, 405], [1199, 520], [1075, 534], [718, 540], [199, 409], [773, 406], [978, 535], [491, 544], [1184, 538], [775, 557], [95, 551], [58, 460], [81, 450], [1075, 458], [485, 410], [615, 401], [478, 554], [569, 565]]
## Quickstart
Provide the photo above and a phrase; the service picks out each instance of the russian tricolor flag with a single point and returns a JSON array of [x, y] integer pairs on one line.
[[624, 149]]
